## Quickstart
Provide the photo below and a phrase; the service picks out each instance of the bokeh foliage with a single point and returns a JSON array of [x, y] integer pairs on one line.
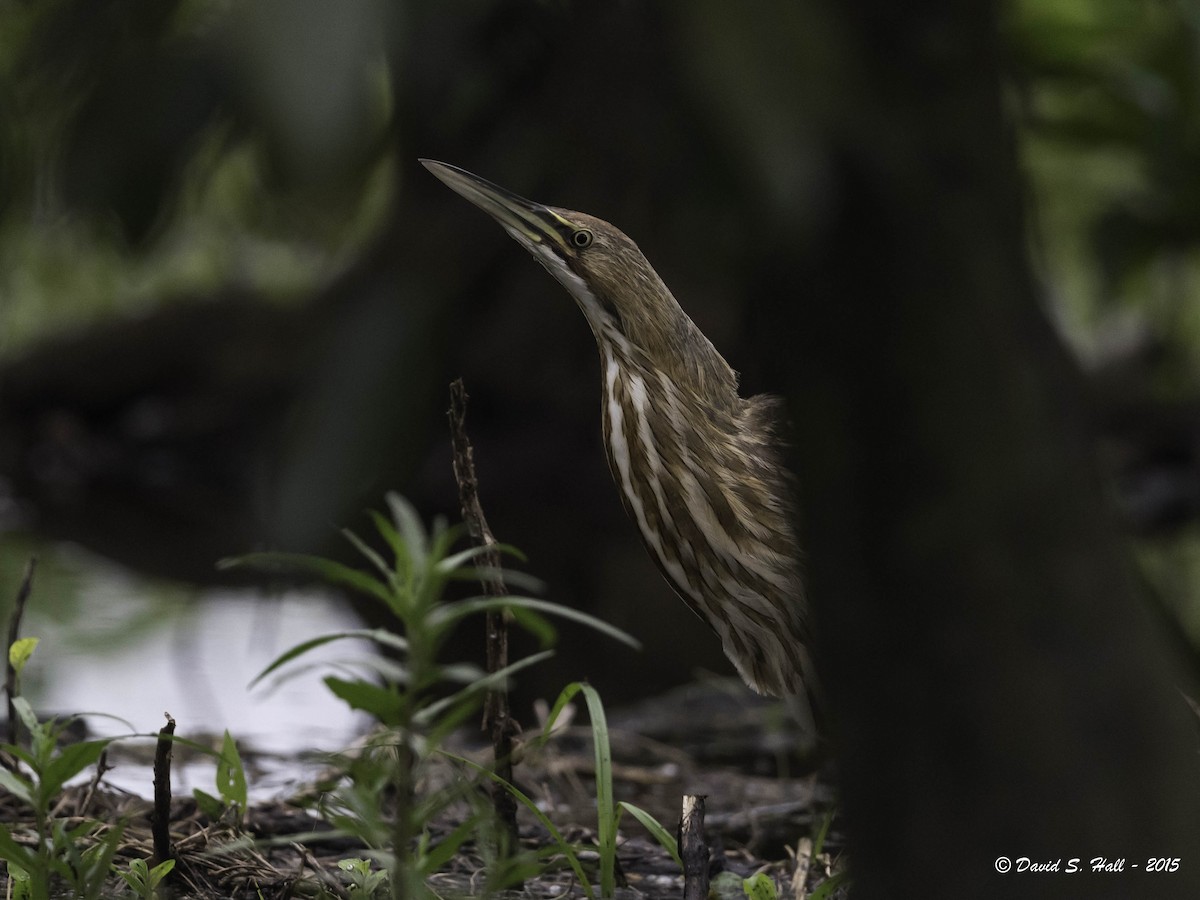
[[149, 150], [201, 152]]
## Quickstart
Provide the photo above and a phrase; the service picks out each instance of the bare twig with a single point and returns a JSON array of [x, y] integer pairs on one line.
[[497, 719], [468, 496], [160, 820], [14, 632], [330, 883], [693, 848], [102, 767]]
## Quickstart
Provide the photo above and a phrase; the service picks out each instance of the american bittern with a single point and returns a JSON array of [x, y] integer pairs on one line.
[[698, 466]]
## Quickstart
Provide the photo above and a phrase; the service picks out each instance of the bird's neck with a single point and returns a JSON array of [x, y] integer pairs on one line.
[[675, 348]]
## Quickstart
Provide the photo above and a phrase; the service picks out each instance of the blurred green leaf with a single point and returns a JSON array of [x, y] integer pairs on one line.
[[329, 570], [760, 887], [384, 704], [208, 804], [453, 612], [20, 651], [378, 635]]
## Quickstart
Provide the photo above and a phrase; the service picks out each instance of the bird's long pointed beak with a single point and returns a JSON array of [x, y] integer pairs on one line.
[[525, 220]]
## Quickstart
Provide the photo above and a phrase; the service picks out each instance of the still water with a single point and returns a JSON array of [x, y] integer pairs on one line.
[[130, 652]]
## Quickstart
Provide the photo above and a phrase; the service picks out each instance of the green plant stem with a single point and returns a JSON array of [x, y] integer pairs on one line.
[[403, 876]]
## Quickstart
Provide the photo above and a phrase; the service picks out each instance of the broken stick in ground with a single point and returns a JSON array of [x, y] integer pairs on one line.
[[496, 718], [693, 848], [160, 819]]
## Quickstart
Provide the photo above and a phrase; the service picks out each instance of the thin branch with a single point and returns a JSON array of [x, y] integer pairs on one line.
[[102, 767], [497, 719], [14, 632]]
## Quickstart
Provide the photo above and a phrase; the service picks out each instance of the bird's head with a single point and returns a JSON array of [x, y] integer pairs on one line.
[[628, 306]]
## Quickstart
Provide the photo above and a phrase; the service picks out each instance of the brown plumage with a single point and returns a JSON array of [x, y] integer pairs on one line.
[[698, 466]]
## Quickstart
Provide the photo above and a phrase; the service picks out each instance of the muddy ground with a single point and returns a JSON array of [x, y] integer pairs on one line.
[[762, 811]]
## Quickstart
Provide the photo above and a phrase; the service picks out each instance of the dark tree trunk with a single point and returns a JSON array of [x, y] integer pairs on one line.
[[998, 688]]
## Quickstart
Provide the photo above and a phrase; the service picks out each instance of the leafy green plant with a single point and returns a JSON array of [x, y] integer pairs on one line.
[[36, 779], [365, 881], [76, 857], [417, 696], [143, 880], [608, 813]]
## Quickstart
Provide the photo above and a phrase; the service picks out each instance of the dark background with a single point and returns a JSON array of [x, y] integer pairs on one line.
[[962, 242]]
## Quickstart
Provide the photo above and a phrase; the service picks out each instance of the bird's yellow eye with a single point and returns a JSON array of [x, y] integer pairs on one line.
[[582, 238]]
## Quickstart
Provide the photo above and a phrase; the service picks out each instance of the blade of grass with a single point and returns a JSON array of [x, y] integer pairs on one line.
[[665, 839], [606, 818], [565, 696], [823, 832]]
